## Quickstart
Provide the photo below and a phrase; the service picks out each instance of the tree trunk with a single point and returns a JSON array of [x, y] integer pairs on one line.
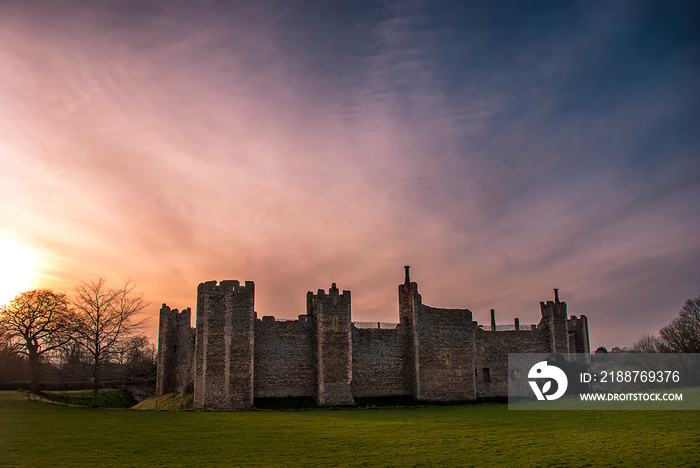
[[95, 384], [34, 371]]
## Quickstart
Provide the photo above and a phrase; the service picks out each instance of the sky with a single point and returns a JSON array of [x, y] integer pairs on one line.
[[499, 149]]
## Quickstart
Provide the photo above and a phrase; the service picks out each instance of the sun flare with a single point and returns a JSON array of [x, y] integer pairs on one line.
[[17, 264]]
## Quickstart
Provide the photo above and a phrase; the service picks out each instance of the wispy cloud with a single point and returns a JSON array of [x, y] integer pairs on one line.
[[300, 146]]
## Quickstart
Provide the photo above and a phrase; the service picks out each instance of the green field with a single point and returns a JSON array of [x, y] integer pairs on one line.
[[42, 434]]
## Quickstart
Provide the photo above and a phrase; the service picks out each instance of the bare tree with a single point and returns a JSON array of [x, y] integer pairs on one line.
[[136, 359], [36, 322], [134, 348], [682, 335], [104, 316], [648, 344], [74, 362]]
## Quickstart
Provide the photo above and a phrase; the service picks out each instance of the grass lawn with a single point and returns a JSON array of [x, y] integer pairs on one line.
[[44, 434]]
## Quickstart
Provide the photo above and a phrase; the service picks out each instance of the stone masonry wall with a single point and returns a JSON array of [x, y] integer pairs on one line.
[[445, 354], [554, 320], [433, 354], [176, 339], [491, 350], [199, 348], [185, 353], [225, 353], [378, 362], [284, 358], [409, 302], [578, 334], [212, 363], [333, 346], [166, 374]]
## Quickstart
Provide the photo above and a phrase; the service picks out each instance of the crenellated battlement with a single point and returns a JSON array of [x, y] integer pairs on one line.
[[271, 321], [224, 287], [432, 354], [576, 320], [180, 318], [332, 292]]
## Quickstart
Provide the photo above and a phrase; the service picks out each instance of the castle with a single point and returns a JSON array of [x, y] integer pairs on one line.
[[233, 358]]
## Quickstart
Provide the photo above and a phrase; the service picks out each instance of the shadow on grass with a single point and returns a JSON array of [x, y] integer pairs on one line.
[[107, 398]]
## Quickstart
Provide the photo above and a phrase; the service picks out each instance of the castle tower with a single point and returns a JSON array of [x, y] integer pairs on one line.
[[175, 351], [554, 320], [333, 346], [578, 335], [224, 348], [409, 303], [438, 347]]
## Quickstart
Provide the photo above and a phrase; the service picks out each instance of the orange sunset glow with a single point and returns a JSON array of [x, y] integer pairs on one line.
[[298, 147], [17, 274]]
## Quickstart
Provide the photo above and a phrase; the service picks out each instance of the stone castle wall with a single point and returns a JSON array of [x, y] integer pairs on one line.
[[378, 362], [433, 354], [284, 358], [445, 339], [491, 350]]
